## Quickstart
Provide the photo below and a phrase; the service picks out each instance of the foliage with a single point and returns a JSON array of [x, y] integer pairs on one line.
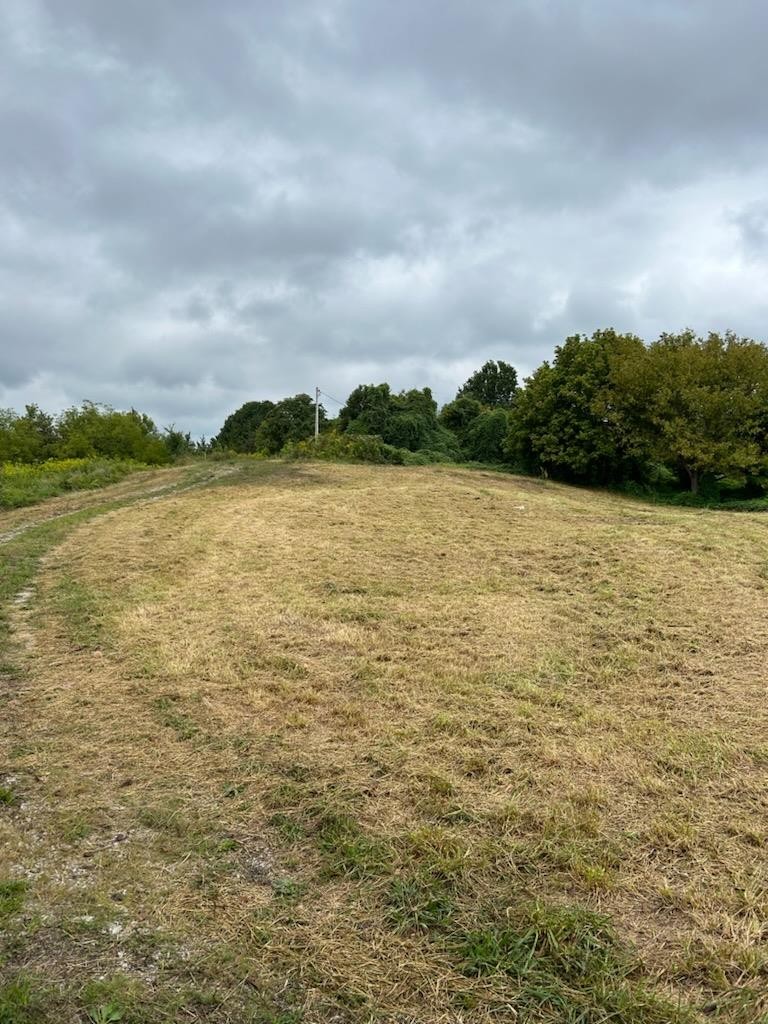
[[292, 419], [22, 484], [239, 431], [93, 430], [178, 444], [333, 446], [480, 430], [485, 436], [701, 404], [494, 384], [565, 422], [406, 420], [88, 431], [28, 438], [610, 410], [459, 414]]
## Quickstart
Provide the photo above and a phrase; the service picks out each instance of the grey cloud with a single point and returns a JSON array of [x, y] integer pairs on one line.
[[752, 223], [202, 204]]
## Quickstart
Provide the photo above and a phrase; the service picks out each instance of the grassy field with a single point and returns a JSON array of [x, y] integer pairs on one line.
[[356, 744]]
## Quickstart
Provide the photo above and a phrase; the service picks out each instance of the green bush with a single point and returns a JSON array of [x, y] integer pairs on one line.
[[407, 420], [335, 447]]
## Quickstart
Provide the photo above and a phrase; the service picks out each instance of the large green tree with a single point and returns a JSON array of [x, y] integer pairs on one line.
[[31, 437], [485, 436], [480, 430], [405, 420], [494, 384], [700, 403], [239, 430], [567, 421], [460, 413], [292, 419]]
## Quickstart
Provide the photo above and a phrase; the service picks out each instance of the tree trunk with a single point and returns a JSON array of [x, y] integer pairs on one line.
[[687, 475]]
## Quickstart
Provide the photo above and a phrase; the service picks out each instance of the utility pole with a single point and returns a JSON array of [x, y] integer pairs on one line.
[[317, 413]]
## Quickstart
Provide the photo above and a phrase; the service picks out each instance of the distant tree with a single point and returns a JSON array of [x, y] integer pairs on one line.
[[701, 404], [406, 420], [368, 410], [28, 438], [99, 430], [494, 384], [413, 422], [480, 430], [459, 414], [239, 430], [569, 420], [292, 419], [484, 438], [177, 443]]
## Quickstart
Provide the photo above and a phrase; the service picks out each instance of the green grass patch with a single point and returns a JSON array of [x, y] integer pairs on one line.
[[567, 966], [12, 893], [21, 1001], [347, 850], [8, 797], [419, 902], [82, 609]]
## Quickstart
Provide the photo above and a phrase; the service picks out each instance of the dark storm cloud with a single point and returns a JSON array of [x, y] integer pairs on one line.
[[201, 204]]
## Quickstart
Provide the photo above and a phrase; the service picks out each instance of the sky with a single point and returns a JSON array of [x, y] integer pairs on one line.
[[207, 203]]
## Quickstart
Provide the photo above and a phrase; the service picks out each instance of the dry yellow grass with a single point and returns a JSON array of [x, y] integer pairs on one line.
[[348, 719]]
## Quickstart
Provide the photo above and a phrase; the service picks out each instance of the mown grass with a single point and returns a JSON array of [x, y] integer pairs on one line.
[[354, 744]]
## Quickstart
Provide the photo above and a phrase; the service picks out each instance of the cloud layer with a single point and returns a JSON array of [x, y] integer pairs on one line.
[[205, 203]]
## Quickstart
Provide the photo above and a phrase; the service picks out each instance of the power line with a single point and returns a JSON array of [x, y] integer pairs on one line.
[[326, 395]]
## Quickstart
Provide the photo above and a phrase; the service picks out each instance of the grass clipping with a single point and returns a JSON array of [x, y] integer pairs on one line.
[[388, 744]]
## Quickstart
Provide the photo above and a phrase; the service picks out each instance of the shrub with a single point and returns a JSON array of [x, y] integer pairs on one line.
[[344, 448]]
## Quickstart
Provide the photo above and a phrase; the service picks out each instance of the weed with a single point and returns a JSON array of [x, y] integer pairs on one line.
[[12, 893], [287, 889], [109, 1013], [289, 828], [348, 850], [21, 1001], [8, 796], [420, 903]]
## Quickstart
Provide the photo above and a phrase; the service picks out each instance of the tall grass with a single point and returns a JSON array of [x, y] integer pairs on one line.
[[24, 484]]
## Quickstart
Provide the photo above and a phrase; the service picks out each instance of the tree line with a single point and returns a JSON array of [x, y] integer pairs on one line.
[[682, 412], [88, 431]]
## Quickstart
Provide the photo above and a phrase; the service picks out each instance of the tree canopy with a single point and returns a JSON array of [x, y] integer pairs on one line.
[[699, 404], [566, 421], [406, 420], [494, 384], [292, 419], [84, 431], [239, 430]]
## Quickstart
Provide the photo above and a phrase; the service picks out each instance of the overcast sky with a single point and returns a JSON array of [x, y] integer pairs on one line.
[[204, 203]]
